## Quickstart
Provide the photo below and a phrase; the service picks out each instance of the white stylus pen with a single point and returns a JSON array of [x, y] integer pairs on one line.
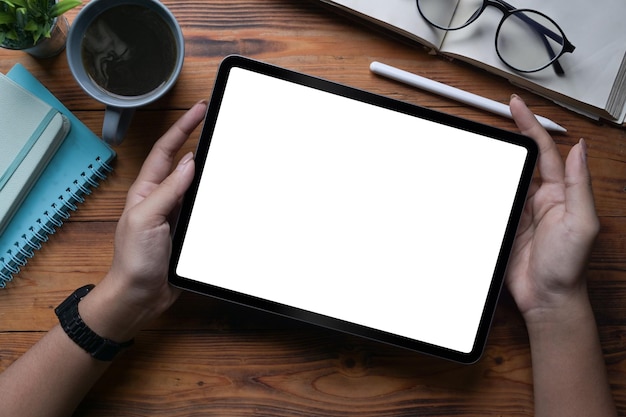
[[453, 93]]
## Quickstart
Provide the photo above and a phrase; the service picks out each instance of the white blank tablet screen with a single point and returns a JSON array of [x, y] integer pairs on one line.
[[349, 210]]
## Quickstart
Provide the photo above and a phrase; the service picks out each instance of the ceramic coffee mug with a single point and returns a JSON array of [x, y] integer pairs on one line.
[[125, 54]]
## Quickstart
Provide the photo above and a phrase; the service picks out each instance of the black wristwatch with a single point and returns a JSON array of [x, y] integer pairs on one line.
[[100, 348]]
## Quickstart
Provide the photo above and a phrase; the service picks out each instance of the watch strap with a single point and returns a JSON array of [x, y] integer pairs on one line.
[[98, 347]]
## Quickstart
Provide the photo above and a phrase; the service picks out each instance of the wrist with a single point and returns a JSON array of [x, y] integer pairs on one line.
[[70, 320], [119, 309], [560, 311], [104, 312]]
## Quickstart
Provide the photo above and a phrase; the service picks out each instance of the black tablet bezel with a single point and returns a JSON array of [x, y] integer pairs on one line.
[[395, 105]]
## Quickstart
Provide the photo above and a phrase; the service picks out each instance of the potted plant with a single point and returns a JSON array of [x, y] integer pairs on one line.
[[35, 26]]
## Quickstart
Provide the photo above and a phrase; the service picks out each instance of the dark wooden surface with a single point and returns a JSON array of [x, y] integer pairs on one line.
[[205, 357]]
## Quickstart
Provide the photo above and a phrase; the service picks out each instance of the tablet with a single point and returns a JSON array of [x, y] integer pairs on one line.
[[352, 211]]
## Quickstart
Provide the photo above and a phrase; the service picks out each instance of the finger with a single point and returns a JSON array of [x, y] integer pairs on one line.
[[165, 197], [578, 191], [550, 162], [159, 162]]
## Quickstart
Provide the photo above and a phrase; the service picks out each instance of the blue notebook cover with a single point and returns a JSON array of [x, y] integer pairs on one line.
[[82, 161]]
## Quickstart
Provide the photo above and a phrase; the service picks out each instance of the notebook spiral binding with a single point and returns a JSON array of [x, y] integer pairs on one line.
[[50, 220]]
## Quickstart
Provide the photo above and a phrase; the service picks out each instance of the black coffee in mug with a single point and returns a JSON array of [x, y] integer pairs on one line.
[[129, 50]]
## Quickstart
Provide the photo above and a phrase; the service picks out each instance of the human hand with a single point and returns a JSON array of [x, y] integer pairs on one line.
[[557, 229], [136, 289]]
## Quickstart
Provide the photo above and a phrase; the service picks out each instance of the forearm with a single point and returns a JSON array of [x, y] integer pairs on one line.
[[55, 374], [50, 379], [569, 372]]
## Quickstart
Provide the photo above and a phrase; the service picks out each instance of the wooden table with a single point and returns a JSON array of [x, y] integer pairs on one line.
[[205, 357]]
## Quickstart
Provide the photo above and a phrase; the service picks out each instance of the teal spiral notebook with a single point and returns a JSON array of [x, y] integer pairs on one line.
[[80, 163]]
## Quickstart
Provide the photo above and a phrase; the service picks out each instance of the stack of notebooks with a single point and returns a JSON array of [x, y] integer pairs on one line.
[[49, 162], [594, 83]]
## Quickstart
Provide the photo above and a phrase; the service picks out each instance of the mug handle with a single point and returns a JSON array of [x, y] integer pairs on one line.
[[116, 123]]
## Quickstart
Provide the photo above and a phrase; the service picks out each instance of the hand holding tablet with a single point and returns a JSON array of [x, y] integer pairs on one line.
[[545, 276], [350, 210]]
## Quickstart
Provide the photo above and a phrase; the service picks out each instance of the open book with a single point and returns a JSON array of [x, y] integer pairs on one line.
[[594, 82]]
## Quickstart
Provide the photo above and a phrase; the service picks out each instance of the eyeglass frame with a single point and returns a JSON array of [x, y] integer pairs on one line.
[[508, 10]]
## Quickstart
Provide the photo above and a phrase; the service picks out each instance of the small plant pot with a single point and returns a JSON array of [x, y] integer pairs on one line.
[[45, 47]]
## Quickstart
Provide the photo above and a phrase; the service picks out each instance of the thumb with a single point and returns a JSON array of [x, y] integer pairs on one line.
[[578, 190]]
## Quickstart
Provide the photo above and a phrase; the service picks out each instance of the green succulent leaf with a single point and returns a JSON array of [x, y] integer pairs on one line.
[[32, 18], [15, 3], [63, 6], [6, 18]]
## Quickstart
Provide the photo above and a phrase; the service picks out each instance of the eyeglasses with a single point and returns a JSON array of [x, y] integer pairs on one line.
[[526, 40]]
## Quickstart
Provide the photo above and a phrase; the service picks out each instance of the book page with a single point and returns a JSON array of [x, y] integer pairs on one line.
[[596, 29], [400, 16]]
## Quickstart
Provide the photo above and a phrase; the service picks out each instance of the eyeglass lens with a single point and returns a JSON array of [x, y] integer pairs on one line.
[[450, 14], [528, 41], [525, 40]]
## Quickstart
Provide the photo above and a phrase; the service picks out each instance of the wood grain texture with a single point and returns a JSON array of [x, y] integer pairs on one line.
[[205, 357]]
